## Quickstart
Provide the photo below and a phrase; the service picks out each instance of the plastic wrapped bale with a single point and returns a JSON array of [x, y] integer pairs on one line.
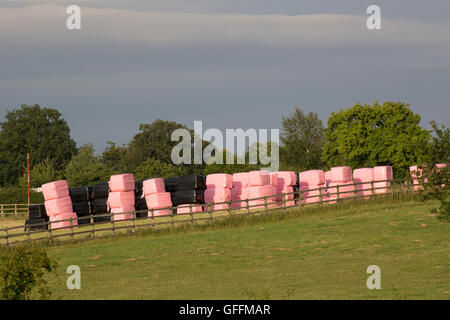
[[186, 182]]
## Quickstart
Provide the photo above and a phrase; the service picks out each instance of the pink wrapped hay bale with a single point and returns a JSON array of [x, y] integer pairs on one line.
[[121, 199], [274, 179], [56, 189], [258, 192], [58, 206], [382, 173], [152, 186], [312, 177], [286, 178], [184, 209], [217, 195], [159, 201], [239, 194], [287, 191], [341, 174], [311, 192], [363, 177], [58, 222], [124, 213], [346, 190], [328, 177], [219, 180], [240, 180], [121, 182], [258, 178]]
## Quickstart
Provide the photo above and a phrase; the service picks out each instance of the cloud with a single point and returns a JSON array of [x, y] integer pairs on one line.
[[44, 25]]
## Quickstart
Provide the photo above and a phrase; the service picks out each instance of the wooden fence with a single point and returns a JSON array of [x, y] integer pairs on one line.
[[13, 235], [13, 209]]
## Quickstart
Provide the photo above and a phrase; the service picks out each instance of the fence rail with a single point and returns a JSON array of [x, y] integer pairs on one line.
[[13, 209], [154, 220]]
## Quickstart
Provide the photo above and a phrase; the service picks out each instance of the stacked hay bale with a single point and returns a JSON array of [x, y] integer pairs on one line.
[[363, 177], [218, 190], [121, 198], [239, 192], [58, 205], [99, 202], [382, 173], [342, 180], [286, 181], [259, 186], [185, 191], [37, 217], [308, 182], [80, 197], [156, 197]]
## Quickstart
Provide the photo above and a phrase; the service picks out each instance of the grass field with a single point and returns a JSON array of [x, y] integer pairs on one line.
[[320, 254]]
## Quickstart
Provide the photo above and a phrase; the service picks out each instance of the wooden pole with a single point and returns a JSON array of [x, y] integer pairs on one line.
[[28, 179]]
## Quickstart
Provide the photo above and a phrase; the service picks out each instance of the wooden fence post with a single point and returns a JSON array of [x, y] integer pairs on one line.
[[371, 188], [71, 228], [2, 211], [248, 207], [153, 219], [7, 237], [265, 204], [337, 193], [191, 214], [92, 227], [15, 209], [320, 196], [113, 231], [133, 225], [210, 213]]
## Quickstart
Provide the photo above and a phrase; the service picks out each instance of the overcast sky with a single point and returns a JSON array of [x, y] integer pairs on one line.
[[230, 63]]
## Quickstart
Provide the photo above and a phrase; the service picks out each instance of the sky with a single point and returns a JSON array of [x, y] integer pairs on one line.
[[229, 63]]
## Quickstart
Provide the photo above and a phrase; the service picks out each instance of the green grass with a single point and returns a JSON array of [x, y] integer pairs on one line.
[[320, 254]]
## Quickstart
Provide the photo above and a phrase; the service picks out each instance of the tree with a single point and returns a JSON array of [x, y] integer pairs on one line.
[[440, 143], [41, 173], [85, 168], [22, 269], [302, 139], [153, 141], [371, 135], [154, 168], [114, 158], [35, 130]]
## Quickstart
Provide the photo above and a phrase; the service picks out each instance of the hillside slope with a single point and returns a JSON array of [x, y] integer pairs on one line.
[[323, 255]]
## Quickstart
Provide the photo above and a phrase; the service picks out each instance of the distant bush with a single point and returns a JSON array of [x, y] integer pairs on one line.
[[19, 195], [22, 271], [436, 187]]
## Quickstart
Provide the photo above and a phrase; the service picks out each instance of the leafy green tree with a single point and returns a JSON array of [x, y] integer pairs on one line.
[[371, 135], [85, 168], [35, 130], [152, 141], [302, 139], [232, 167], [22, 273], [440, 143], [152, 168], [114, 158], [39, 174]]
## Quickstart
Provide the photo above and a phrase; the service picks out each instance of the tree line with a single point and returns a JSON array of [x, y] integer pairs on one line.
[[359, 136]]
